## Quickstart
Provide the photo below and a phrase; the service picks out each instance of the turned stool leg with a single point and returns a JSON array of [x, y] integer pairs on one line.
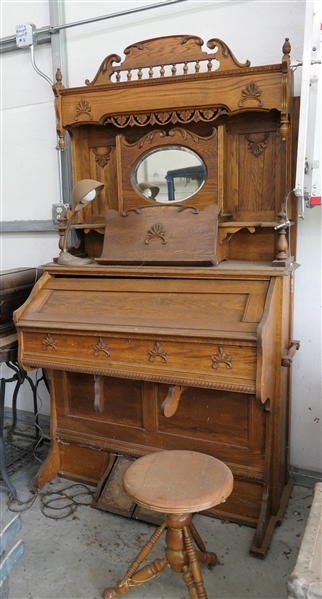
[[180, 555], [204, 556], [190, 583], [135, 577], [176, 551], [194, 563]]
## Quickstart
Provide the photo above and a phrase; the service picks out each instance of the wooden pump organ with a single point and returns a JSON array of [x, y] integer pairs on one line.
[[177, 332]]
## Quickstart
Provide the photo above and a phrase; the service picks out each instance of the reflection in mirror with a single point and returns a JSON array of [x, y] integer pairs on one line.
[[170, 174]]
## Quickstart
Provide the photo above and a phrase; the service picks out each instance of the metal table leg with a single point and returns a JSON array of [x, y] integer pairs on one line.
[[3, 468], [22, 376]]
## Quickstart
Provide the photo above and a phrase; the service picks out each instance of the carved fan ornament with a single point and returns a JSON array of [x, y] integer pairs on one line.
[[251, 92], [83, 107], [156, 230]]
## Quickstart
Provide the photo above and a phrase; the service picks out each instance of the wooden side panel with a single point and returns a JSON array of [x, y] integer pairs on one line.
[[82, 464], [282, 407], [254, 170], [122, 400], [232, 423], [94, 157], [255, 246]]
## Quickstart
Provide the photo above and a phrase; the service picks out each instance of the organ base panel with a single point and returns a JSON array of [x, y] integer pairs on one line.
[[178, 335]]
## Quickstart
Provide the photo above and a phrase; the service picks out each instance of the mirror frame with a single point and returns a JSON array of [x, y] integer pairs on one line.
[[151, 188], [129, 154]]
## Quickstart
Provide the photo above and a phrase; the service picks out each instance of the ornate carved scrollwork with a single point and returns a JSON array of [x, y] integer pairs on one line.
[[49, 342], [221, 357], [164, 118], [178, 133], [101, 346], [157, 351]]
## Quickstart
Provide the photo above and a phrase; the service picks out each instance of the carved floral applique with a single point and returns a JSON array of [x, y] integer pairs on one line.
[[49, 342], [101, 346], [157, 351], [221, 357]]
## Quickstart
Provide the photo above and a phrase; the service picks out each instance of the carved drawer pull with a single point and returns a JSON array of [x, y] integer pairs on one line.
[[157, 351], [49, 342], [101, 346], [171, 402], [221, 357], [288, 356]]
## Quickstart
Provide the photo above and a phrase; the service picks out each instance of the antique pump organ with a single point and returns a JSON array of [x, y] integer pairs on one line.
[[177, 333]]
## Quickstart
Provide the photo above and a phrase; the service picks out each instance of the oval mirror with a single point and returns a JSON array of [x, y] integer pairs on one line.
[[170, 174]]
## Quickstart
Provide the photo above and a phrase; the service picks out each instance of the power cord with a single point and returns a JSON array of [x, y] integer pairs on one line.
[[65, 501]]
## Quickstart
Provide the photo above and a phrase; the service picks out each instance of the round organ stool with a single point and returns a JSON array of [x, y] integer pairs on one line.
[[178, 483]]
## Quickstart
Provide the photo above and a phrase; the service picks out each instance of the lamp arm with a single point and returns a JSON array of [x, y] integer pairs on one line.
[[64, 250]]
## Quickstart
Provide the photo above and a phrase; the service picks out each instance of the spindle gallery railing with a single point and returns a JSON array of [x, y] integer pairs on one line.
[[164, 70], [181, 56]]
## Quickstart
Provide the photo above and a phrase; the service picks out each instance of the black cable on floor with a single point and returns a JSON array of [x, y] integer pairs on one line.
[[52, 502], [68, 502]]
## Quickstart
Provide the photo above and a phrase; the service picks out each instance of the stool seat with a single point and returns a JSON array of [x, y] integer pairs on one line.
[[178, 481]]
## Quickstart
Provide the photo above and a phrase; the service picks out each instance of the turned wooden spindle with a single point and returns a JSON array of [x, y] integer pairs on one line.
[[282, 249]]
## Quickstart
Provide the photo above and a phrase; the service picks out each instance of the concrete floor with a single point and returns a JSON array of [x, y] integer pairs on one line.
[[78, 556]]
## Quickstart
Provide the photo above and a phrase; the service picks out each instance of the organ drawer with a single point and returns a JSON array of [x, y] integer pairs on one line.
[[209, 363]]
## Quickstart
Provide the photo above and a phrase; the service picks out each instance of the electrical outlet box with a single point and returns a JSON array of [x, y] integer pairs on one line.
[[25, 35], [58, 210]]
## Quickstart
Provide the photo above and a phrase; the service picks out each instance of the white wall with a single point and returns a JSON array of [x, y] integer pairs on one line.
[[254, 30], [29, 183]]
